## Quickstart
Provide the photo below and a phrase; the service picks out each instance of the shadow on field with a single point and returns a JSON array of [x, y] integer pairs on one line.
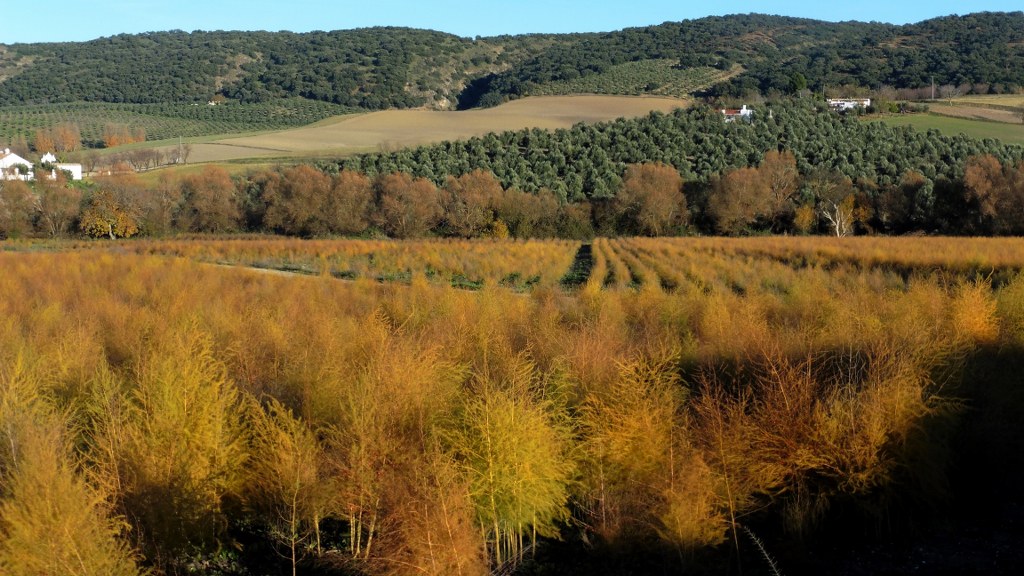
[[968, 520]]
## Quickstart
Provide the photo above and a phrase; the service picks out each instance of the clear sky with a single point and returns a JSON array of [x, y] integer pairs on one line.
[[76, 20]]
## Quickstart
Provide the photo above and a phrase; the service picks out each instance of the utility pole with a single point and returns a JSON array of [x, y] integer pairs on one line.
[[933, 87], [180, 158]]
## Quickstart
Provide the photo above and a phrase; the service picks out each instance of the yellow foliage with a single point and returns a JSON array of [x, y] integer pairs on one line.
[[973, 311]]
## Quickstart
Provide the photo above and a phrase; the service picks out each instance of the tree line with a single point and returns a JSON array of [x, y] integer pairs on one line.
[[651, 199]]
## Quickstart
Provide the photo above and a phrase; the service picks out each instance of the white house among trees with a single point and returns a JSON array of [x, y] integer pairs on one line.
[[843, 104], [14, 167], [731, 114]]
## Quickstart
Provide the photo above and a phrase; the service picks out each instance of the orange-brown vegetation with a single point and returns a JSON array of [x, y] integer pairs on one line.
[[66, 137], [118, 134], [514, 263], [166, 406]]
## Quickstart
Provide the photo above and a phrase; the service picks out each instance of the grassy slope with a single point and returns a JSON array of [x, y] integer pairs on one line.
[[1008, 133]]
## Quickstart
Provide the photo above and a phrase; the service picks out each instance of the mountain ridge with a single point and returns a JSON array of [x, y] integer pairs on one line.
[[396, 67]]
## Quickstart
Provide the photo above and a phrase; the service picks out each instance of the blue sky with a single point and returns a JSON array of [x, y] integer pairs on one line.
[[75, 20]]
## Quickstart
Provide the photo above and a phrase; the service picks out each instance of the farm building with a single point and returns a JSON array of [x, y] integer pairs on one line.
[[14, 167], [731, 114], [844, 104], [75, 170]]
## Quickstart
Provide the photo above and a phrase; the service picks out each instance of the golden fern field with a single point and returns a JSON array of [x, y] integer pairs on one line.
[[630, 405]]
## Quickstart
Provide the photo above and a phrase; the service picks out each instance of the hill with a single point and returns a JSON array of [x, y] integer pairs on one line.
[[373, 68], [156, 85], [378, 68], [983, 52]]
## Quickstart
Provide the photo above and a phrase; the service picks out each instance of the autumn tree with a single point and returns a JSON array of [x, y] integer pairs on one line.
[[67, 137], [406, 207], [16, 208], [650, 200], [107, 214], [575, 221], [987, 188], [781, 179], [528, 215], [156, 204], [347, 206], [43, 141], [208, 202], [118, 134], [468, 202], [905, 206], [295, 199], [835, 200], [57, 205], [738, 201]]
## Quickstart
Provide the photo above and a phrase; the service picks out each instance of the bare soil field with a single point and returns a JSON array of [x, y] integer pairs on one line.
[[400, 128]]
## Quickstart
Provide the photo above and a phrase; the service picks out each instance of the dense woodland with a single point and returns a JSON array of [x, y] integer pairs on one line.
[[398, 68], [371, 68], [790, 54]]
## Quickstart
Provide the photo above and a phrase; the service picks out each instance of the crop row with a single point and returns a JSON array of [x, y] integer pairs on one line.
[[660, 77], [461, 263], [771, 265]]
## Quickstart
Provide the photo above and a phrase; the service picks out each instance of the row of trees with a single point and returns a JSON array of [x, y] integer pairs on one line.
[[64, 137], [298, 201], [649, 201]]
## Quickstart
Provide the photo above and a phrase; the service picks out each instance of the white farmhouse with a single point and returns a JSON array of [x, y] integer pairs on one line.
[[74, 169], [731, 114], [14, 167], [844, 104]]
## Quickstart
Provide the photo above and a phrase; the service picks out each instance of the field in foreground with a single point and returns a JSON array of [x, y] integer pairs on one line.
[[677, 400], [402, 128]]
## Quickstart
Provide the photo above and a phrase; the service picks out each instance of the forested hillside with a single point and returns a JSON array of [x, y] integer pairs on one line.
[[370, 68], [789, 54], [379, 68]]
